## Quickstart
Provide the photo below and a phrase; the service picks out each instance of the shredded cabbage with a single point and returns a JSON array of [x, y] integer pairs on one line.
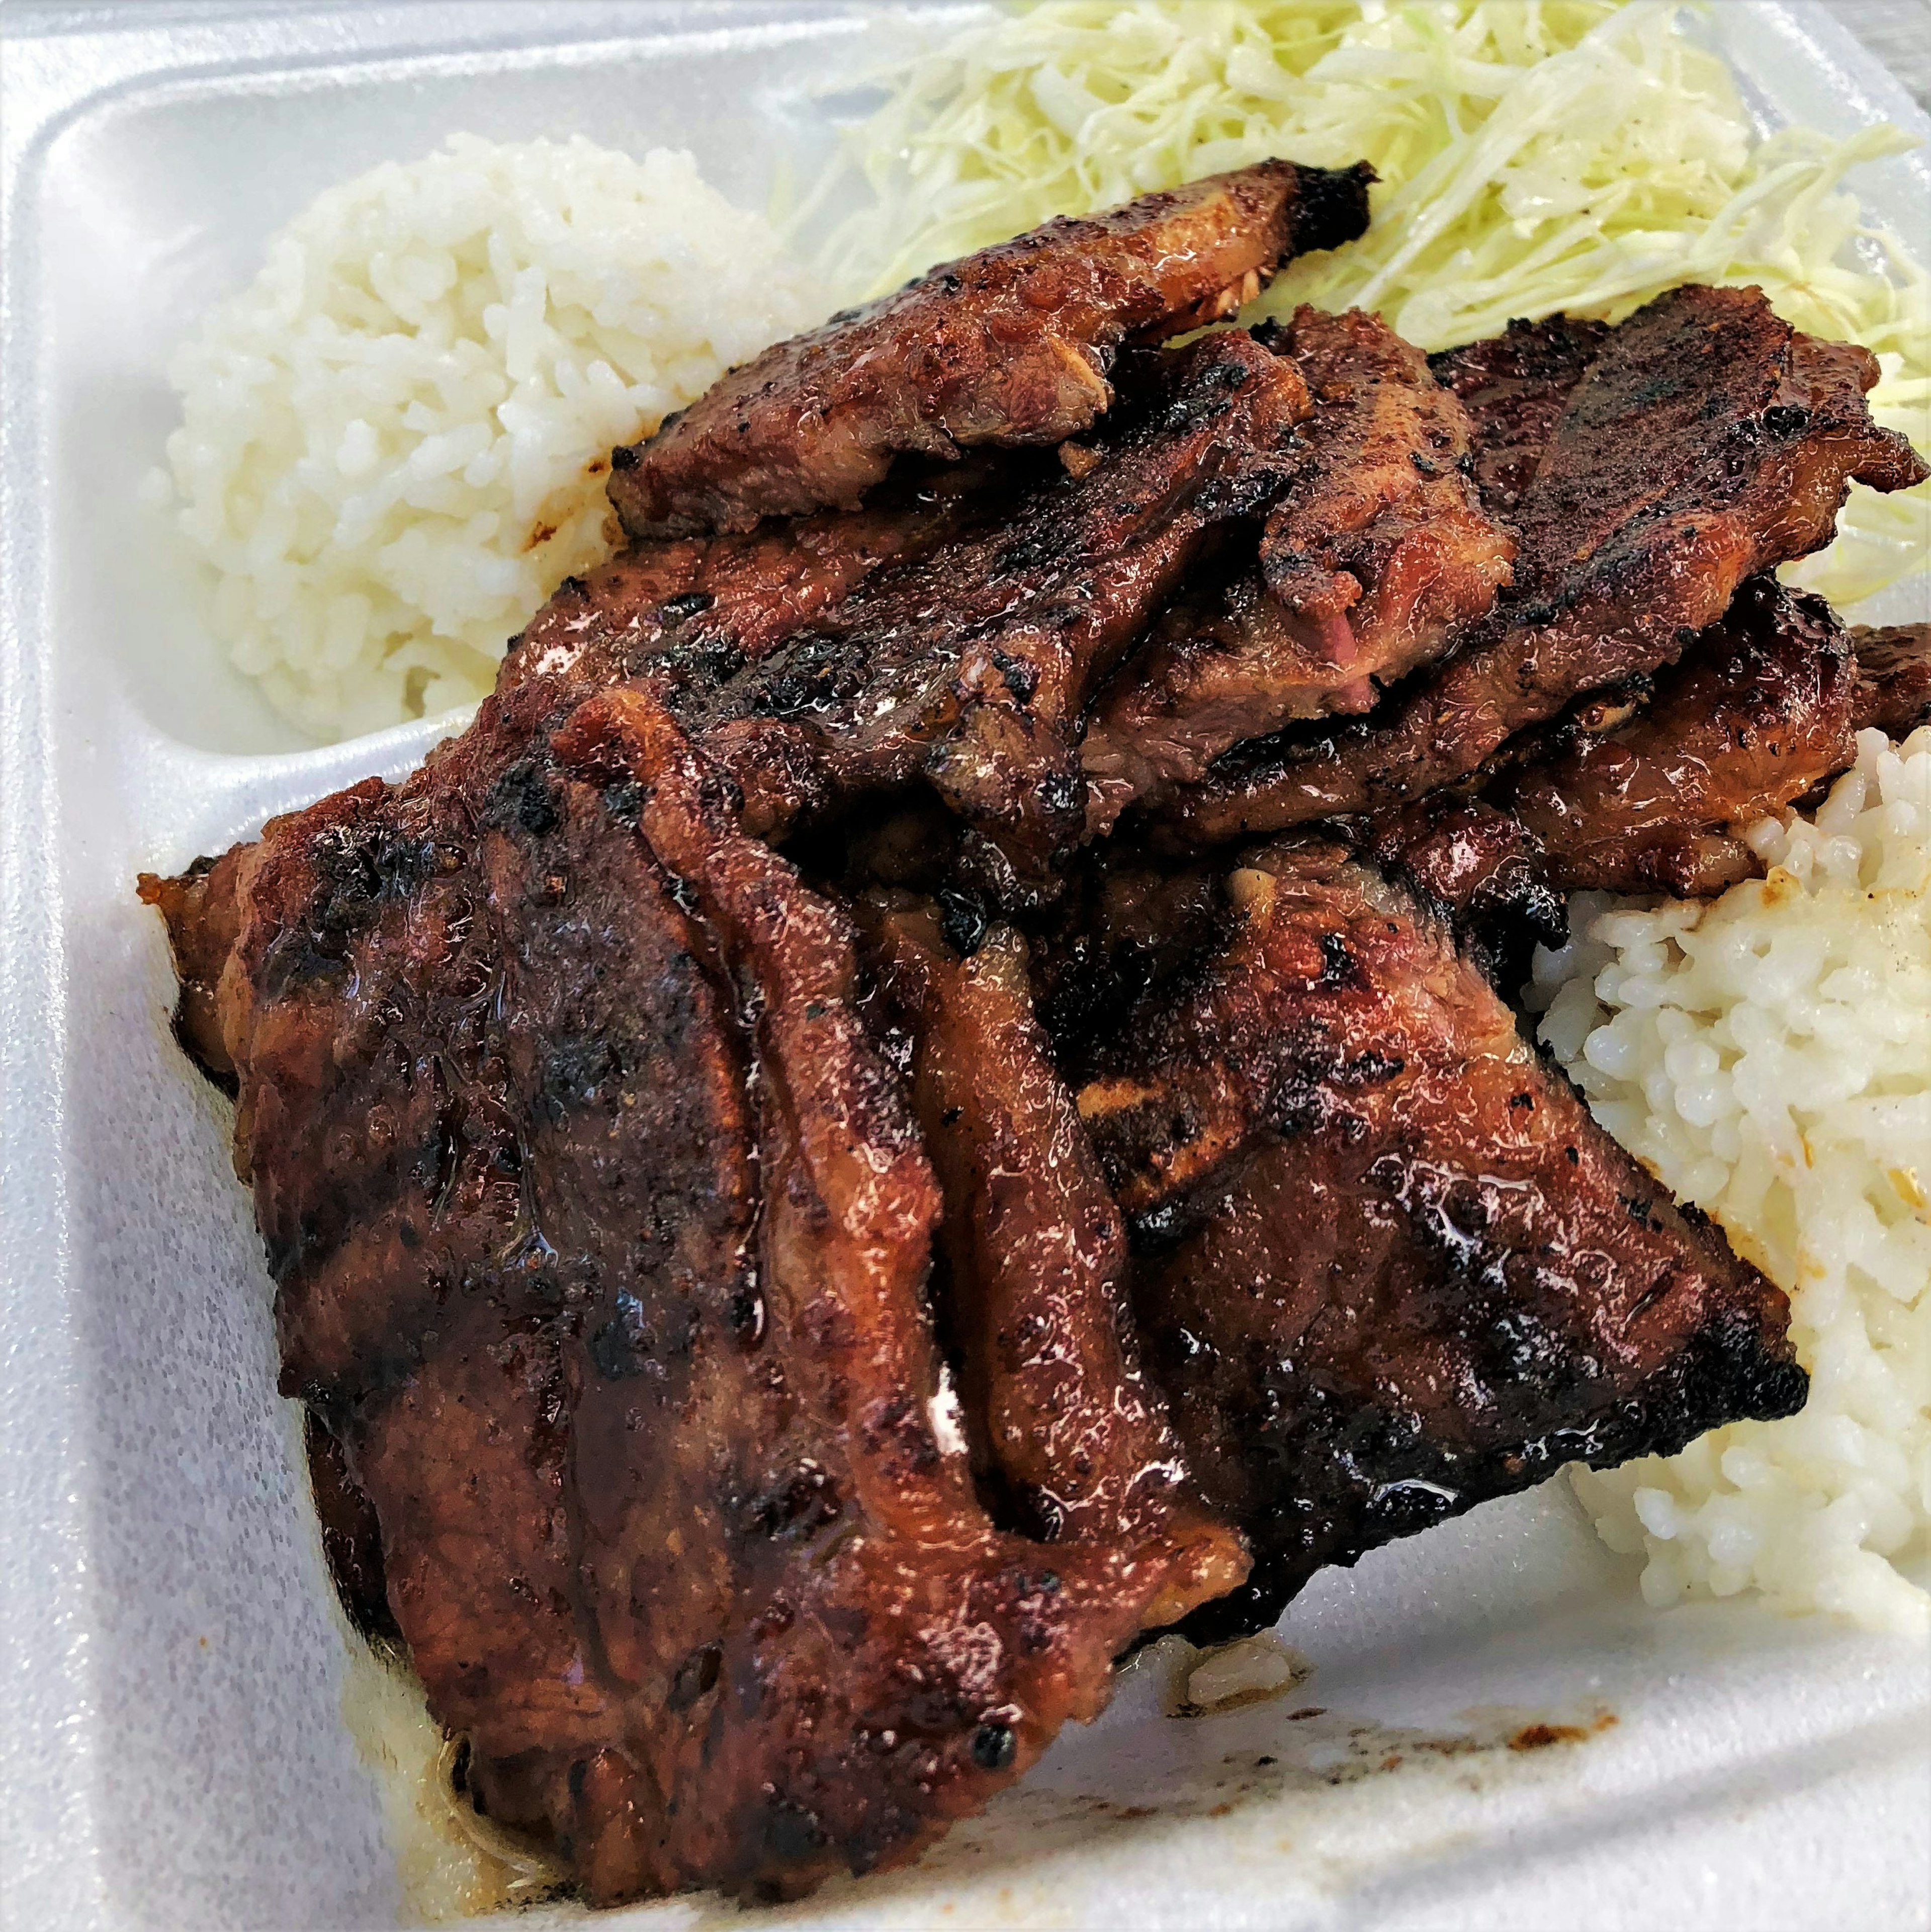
[[1535, 155]]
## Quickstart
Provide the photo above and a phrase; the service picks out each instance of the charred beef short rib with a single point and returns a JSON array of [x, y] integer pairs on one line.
[[1894, 678], [1030, 1294], [800, 1239], [968, 668], [600, 1229], [1012, 346], [1651, 789], [1375, 557], [1707, 442], [1386, 1265], [1514, 388]]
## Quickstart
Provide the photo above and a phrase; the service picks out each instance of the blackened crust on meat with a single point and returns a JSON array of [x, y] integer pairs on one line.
[[1757, 713], [1012, 346], [1894, 678], [1065, 1430], [1707, 442], [352, 1537], [1514, 387], [969, 667], [601, 1232], [1652, 791], [1390, 1483], [1386, 1265], [1129, 924], [1374, 558], [1330, 206]]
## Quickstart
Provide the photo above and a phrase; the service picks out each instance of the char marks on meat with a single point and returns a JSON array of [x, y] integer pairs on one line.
[[1065, 1431], [1380, 549], [770, 1344], [1756, 714], [970, 666], [1012, 346], [704, 607], [1375, 556], [1386, 1265], [1707, 441], [600, 1232], [1652, 791], [1514, 387]]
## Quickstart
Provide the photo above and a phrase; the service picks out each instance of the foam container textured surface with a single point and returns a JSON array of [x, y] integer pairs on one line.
[[171, 1750]]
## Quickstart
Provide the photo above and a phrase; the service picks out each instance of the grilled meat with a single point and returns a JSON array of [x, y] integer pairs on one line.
[[1128, 923], [203, 922], [600, 1233], [970, 667], [1481, 868], [1707, 442], [1514, 387], [1636, 797], [633, 1246], [1375, 556], [1380, 548], [1067, 1436], [1755, 714], [1012, 346], [1893, 693], [1386, 1265], [702, 607]]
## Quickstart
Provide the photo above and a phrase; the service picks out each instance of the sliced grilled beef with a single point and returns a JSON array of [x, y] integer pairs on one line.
[[1894, 678], [1654, 794], [1068, 1439], [600, 1233], [1375, 557], [1514, 387], [1014, 346], [1707, 442], [969, 667], [1386, 1265]]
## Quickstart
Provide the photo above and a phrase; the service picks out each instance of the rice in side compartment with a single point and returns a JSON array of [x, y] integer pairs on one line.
[[1768, 1055], [394, 440]]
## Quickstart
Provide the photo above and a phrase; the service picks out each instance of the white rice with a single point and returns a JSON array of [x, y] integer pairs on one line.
[[1768, 1056], [393, 440]]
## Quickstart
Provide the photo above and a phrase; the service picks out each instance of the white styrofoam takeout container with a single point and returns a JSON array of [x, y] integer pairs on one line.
[[170, 1738]]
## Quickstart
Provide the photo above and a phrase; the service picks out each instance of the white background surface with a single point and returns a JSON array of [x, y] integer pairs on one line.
[[169, 1742]]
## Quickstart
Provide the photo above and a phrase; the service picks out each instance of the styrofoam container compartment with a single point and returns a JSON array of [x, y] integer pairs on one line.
[[170, 1738]]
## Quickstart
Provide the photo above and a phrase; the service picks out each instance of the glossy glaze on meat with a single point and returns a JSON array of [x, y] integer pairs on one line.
[[1015, 345], [1380, 548], [764, 1393], [1070, 1442], [700, 608], [1756, 714], [1707, 442], [1386, 1265], [1894, 678], [1375, 556], [1514, 387], [601, 1232], [1653, 793], [968, 668]]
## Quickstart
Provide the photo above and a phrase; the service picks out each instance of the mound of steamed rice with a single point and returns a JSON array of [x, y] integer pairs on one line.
[[393, 441], [1768, 1056]]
